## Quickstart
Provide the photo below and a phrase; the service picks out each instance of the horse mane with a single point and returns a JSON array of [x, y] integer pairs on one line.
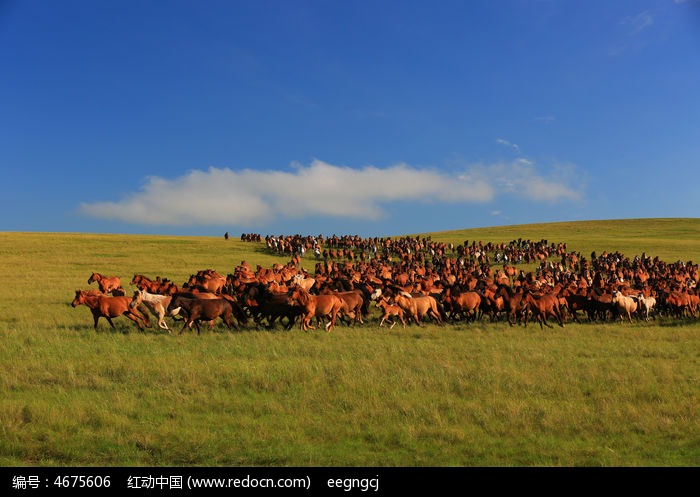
[[303, 296], [505, 288]]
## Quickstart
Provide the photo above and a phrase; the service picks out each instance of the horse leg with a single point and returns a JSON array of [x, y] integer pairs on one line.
[[184, 326], [560, 320], [544, 320], [135, 317], [307, 322], [145, 315], [138, 318], [95, 318], [161, 320], [229, 322], [331, 325]]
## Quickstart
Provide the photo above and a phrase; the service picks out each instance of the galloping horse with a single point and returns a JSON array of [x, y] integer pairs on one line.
[[106, 284], [104, 306], [303, 281], [319, 306], [262, 303], [462, 304], [389, 312], [197, 310], [512, 303], [417, 307], [209, 280], [542, 307], [353, 304], [646, 305], [157, 304]]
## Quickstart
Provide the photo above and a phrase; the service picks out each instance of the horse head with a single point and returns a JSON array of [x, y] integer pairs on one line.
[[79, 298], [136, 299]]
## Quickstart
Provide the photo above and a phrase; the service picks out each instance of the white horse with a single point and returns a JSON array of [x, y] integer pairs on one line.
[[156, 303], [625, 305], [646, 305], [303, 281]]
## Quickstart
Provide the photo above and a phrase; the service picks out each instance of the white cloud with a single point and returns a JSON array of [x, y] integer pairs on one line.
[[251, 197], [508, 144], [638, 22], [521, 179]]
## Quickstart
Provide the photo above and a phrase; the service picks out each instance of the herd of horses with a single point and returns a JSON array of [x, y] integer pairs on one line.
[[410, 281]]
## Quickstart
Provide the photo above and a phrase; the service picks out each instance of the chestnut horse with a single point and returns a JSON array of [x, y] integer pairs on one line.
[[319, 306], [416, 307], [513, 304], [390, 312], [462, 304], [542, 307], [208, 280], [104, 306], [105, 283]]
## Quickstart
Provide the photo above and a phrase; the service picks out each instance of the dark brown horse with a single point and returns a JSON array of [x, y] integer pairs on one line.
[[106, 284], [197, 309], [318, 306], [263, 303], [513, 304], [104, 306]]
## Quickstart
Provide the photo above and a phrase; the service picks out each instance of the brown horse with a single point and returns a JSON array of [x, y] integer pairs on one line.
[[575, 300], [390, 313], [319, 306], [543, 306], [208, 280], [106, 284], [353, 304], [104, 306], [208, 310], [417, 307], [462, 304], [262, 303], [160, 286], [512, 303]]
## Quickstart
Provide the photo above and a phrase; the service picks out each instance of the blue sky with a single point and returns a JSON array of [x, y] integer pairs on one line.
[[375, 118]]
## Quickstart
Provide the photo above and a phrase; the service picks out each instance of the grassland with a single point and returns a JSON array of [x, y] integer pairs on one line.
[[480, 394]]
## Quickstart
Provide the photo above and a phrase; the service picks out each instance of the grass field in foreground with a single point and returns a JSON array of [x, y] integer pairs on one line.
[[480, 394]]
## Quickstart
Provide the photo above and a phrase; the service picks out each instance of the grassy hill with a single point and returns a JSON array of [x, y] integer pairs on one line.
[[468, 394]]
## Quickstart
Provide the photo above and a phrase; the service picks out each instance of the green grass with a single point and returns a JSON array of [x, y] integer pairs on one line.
[[480, 394]]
